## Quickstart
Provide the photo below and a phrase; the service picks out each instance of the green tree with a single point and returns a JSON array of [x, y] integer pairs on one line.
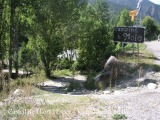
[[52, 18], [95, 44], [70, 32], [151, 29], [125, 19]]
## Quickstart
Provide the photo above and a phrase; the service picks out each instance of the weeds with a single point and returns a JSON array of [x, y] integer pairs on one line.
[[119, 116], [73, 86], [62, 73]]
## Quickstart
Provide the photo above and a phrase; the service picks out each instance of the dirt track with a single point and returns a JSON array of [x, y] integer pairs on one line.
[[154, 47]]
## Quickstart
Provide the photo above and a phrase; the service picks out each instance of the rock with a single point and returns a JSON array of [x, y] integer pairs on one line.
[[112, 61], [106, 92], [140, 79], [1, 104], [152, 86], [74, 90], [110, 70], [17, 92], [117, 92]]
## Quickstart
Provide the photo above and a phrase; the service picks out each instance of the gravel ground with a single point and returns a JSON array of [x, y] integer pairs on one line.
[[154, 47], [136, 103]]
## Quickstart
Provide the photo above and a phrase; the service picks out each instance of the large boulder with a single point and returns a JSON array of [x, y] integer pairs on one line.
[[111, 63], [109, 74], [113, 70], [152, 86]]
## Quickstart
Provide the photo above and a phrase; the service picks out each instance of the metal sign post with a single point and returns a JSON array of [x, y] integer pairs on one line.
[[129, 34]]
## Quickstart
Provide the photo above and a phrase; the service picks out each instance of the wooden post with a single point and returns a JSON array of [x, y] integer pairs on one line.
[[138, 51], [133, 47], [123, 47]]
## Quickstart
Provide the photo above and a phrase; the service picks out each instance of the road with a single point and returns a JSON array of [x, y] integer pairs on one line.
[[154, 47]]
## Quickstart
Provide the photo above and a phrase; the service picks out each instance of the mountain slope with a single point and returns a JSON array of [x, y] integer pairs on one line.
[[148, 8]]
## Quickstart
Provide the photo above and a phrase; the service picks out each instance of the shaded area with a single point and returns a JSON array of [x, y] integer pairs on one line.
[[62, 84]]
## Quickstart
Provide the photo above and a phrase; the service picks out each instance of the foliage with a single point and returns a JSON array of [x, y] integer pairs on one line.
[[125, 19], [119, 116], [54, 22], [95, 44], [62, 73], [151, 31], [90, 83], [73, 86]]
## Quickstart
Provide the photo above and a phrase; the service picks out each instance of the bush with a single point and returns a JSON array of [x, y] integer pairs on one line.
[[90, 83], [73, 86], [102, 85]]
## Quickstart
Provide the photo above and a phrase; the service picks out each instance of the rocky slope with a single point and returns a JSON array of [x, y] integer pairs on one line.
[[148, 8]]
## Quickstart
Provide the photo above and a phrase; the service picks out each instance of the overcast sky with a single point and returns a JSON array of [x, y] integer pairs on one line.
[[156, 1]]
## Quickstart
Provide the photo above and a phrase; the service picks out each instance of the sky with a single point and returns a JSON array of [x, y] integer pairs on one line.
[[155, 1]]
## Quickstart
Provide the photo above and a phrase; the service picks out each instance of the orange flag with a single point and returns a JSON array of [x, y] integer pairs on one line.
[[133, 14]]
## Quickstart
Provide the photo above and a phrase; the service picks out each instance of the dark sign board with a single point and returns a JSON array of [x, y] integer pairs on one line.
[[129, 34]]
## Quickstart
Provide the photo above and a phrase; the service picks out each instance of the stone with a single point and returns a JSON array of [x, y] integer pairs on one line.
[[152, 86], [117, 92], [17, 92], [74, 90], [106, 92], [1, 104], [110, 71], [112, 61]]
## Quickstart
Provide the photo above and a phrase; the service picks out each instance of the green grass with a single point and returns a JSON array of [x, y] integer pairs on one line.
[[119, 117], [62, 73], [144, 58]]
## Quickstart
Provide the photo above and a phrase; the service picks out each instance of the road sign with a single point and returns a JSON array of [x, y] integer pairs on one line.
[[129, 34]]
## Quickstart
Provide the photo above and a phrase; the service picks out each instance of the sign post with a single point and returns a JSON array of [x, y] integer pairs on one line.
[[129, 34]]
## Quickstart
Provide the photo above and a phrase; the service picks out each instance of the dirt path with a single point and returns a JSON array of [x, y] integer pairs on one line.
[[154, 47]]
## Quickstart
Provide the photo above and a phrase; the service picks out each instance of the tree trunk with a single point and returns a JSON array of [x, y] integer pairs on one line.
[[17, 42], [1, 33], [11, 42], [48, 72], [16, 63], [46, 64], [11, 38], [12, 8]]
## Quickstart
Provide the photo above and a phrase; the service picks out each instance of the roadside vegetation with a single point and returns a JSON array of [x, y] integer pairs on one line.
[[50, 39]]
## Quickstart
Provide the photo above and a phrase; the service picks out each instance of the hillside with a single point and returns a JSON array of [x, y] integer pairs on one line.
[[148, 8]]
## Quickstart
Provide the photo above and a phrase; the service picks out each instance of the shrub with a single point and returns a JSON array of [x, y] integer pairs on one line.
[[90, 83], [73, 86]]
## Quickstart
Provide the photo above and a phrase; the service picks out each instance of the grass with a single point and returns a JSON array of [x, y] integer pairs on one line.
[[62, 73], [144, 58], [119, 117], [59, 106]]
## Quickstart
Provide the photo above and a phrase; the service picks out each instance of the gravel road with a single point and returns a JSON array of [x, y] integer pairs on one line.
[[154, 47]]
